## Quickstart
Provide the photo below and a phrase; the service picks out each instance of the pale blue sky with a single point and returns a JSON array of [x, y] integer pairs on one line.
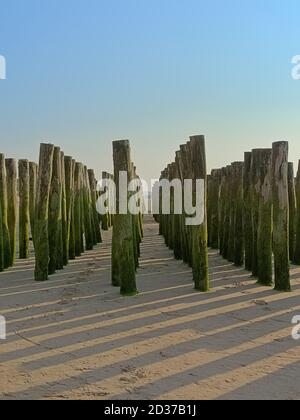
[[81, 73]]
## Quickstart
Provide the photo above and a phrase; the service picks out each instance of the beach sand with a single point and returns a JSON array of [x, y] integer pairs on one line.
[[74, 337]]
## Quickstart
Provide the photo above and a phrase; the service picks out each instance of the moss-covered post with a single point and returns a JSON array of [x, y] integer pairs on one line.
[[255, 197], [227, 210], [281, 216], [12, 203], [65, 232], [106, 216], [182, 223], [33, 173], [69, 194], [248, 231], [77, 210], [41, 236], [123, 263], [7, 261], [89, 238], [296, 258], [292, 210], [239, 254], [24, 218], [264, 234], [70, 207], [222, 206], [95, 219], [199, 233], [214, 208], [55, 222], [177, 218], [232, 202]]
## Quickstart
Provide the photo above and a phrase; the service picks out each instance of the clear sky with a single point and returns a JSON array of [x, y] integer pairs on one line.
[[81, 73]]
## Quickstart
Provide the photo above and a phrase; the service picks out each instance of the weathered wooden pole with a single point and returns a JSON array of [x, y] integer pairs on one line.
[[64, 218], [77, 210], [95, 219], [222, 207], [24, 217], [89, 239], [12, 203], [177, 218], [71, 201], [69, 185], [55, 222], [264, 234], [33, 174], [105, 217], [7, 260], [200, 250], [232, 200], [281, 216], [41, 236], [226, 220], [248, 230], [296, 258], [123, 263], [214, 203], [292, 210], [255, 198], [239, 254], [182, 223]]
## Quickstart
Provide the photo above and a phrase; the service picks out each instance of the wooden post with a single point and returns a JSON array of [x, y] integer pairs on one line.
[[123, 263], [222, 207], [200, 250], [24, 218], [65, 228], [226, 220], [292, 210], [33, 173], [55, 222], [70, 207], [77, 210], [41, 236], [231, 200], [248, 230], [281, 216], [182, 227], [214, 208], [264, 234], [105, 217], [89, 239], [95, 218], [296, 259], [238, 168], [7, 260], [255, 198], [12, 203], [69, 193]]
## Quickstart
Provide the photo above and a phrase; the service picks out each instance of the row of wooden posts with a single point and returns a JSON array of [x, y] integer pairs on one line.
[[189, 243], [56, 203], [252, 214]]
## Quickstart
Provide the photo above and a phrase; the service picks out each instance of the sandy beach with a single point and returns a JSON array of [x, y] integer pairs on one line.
[[75, 337]]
